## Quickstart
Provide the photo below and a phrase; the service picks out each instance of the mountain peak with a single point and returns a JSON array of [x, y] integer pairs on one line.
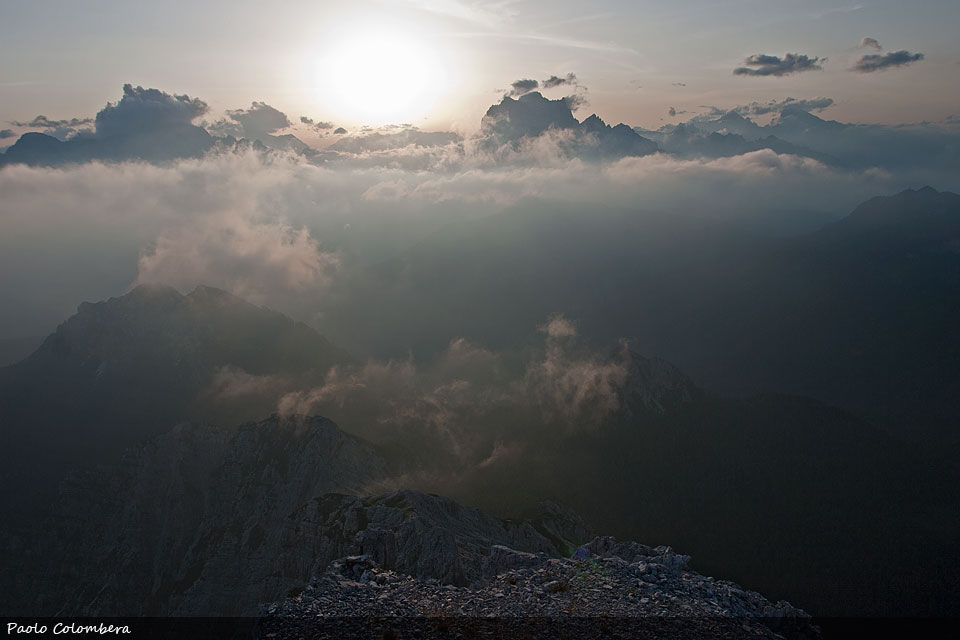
[[913, 217], [732, 116]]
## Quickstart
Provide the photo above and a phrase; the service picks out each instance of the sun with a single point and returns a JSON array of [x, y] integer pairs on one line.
[[379, 77]]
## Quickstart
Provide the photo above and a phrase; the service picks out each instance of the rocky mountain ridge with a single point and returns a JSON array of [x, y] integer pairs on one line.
[[129, 368]]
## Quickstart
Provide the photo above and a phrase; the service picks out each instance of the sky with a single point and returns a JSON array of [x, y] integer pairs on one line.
[[439, 64], [376, 119]]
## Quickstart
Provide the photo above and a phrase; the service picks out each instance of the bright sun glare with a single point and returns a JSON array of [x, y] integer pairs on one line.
[[379, 78]]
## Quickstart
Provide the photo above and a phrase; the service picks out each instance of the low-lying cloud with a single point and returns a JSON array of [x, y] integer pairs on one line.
[[280, 229], [474, 404]]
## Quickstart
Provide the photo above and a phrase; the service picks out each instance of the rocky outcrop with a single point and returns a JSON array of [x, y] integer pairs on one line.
[[427, 535], [607, 589]]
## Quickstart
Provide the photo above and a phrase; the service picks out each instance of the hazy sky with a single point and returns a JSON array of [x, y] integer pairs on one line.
[[440, 63]]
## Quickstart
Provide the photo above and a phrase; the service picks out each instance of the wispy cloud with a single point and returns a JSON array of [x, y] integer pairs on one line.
[[835, 10], [580, 19], [555, 41], [489, 14]]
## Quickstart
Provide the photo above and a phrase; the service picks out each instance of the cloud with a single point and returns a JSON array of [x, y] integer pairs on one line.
[[319, 126], [674, 112], [526, 85], [247, 257], [765, 65], [285, 231], [6, 133], [43, 122], [145, 124], [777, 106], [555, 81], [558, 327], [141, 110], [230, 384], [376, 141], [869, 43], [521, 87], [878, 62], [274, 226], [679, 84], [339, 131], [578, 391], [575, 101], [470, 403], [59, 129], [257, 123], [233, 244]]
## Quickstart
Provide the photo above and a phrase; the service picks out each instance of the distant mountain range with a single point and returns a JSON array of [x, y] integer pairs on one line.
[[860, 314], [514, 123]]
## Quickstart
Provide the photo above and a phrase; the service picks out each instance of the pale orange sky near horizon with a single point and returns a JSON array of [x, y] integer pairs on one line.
[[635, 60]]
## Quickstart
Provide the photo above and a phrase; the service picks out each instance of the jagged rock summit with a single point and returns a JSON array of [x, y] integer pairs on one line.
[[531, 115]]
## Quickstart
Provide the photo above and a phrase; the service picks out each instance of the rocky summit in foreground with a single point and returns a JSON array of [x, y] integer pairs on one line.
[[606, 589]]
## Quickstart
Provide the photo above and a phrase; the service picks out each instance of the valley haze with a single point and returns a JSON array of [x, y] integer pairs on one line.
[[658, 326]]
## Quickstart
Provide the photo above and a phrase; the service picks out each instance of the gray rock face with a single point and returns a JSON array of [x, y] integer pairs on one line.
[[198, 521]]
